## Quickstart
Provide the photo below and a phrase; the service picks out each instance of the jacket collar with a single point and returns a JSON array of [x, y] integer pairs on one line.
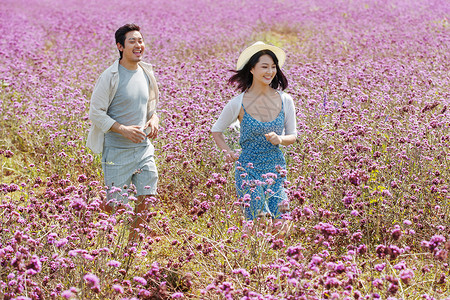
[[115, 66]]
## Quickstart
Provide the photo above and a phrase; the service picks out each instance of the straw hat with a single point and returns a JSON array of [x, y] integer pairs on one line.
[[255, 48]]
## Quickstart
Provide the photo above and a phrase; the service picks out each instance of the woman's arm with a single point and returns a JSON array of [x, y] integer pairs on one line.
[[228, 115], [230, 155], [284, 140], [290, 124]]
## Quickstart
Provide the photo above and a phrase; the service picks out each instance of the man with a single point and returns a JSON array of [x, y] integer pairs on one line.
[[123, 115]]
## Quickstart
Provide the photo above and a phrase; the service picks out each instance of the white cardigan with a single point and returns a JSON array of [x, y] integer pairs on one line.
[[231, 111]]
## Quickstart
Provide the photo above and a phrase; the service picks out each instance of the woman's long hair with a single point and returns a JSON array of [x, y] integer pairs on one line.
[[244, 78]]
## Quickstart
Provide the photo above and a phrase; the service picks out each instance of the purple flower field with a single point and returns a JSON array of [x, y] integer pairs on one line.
[[369, 184]]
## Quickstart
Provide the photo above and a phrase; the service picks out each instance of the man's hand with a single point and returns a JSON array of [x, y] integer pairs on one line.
[[133, 132], [152, 127]]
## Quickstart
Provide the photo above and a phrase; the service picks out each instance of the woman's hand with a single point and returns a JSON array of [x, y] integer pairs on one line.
[[273, 138], [284, 140], [231, 156]]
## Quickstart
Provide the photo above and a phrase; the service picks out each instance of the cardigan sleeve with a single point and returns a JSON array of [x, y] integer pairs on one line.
[[153, 90], [100, 103], [228, 115], [290, 121]]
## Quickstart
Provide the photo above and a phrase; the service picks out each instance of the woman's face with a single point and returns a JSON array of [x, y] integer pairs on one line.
[[265, 70]]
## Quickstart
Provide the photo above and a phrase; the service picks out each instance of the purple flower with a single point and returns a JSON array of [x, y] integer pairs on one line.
[[400, 266], [177, 295], [34, 266], [277, 244], [386, 193], [437, 239], [396, 233], [348, 200], [378, 283], [243, 272], [354, 213], [82, 178], [362, 249], [8, 153], [295, 252], [332, 282], [315, 261], [12, 188], [118, 288], [61, 242], [357, 236], [78, 204], [406, 275], [380, 267], [326, 229], [92, 281], [392, 289], [226, 287], [114, 263], [87, 256], [441, 255], [67, 294], [140, 280], [434, 242], [154, 270]]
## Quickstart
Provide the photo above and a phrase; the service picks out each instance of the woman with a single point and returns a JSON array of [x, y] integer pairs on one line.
[[267, 120]]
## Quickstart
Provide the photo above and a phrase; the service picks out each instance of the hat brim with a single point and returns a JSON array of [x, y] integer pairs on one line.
[[255, 48]]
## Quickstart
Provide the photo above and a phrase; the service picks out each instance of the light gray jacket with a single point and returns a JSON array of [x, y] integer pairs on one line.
[[104, 92]]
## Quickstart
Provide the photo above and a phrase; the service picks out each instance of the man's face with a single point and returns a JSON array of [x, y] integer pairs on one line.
[[133, 50]]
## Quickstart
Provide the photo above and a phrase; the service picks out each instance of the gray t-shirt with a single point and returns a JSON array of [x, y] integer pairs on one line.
[[129, 106]]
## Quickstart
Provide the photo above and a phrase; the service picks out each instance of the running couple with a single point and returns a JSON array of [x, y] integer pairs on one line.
[[124, 120]]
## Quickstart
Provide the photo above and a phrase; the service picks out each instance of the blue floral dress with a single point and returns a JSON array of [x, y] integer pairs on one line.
[[260, 169]]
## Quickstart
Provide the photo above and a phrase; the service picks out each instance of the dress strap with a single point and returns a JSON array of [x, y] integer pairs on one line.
[[242, 105]]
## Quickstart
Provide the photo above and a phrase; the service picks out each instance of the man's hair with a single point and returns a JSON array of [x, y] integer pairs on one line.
[[121, 33]]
